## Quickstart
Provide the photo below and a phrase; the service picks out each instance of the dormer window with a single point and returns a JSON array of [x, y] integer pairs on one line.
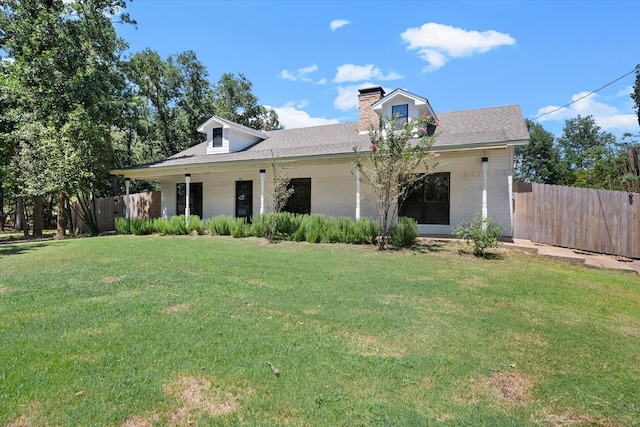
[[217, 137], [401, 114]]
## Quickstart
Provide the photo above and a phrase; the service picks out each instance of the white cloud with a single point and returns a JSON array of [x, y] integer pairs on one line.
[[438, 43], [338, 23], [291, 116], [301, 75], [607, 116], [358, 73]]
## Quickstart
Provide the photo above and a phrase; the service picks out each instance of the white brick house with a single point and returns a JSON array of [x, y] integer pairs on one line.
[[229, 173]]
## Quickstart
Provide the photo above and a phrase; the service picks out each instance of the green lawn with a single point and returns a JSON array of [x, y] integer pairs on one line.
[[140, 331]]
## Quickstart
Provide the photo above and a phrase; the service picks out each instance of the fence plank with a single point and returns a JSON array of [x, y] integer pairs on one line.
[[587, 219], [107, 209]]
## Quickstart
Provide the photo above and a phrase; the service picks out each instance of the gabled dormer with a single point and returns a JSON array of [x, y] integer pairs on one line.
[[406, 106], [224, 136]]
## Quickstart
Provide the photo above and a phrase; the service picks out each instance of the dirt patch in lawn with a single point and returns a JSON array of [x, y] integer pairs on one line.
[[110, 279], [136, 422], [505, 389], [33, 411], [196, 394], [175, 309], [572, 418], [369, 345], [3, 289], [528, 339], [310, 311]]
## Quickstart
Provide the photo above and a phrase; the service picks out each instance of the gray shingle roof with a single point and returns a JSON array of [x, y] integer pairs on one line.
[[483, 127]]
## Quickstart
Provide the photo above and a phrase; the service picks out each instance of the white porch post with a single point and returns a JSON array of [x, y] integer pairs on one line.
[[127, 208], [262, 172], [187, 210], [485, 163], [357, 193]]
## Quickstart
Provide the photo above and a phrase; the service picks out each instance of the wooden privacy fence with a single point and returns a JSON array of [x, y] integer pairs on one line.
[[107, 209], [589, 219]]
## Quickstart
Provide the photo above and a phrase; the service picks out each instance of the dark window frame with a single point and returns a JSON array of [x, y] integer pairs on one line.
[[195, 198], [400, 118], [300, 201], [430, 201], [216, 134]]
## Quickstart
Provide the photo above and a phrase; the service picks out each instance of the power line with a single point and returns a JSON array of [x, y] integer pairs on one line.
[[636, 68]]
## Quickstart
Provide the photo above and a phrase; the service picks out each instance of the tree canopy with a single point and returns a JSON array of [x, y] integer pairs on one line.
[[71, 111]]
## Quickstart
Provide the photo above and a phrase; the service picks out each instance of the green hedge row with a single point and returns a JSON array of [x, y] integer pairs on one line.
[[286, 226]]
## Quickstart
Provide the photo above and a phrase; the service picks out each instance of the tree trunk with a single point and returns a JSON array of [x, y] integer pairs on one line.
[[37, 216], [21, 220], [61, 222], [2, 217]]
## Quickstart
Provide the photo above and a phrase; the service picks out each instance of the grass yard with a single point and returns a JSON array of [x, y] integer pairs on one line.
[[169, 331]]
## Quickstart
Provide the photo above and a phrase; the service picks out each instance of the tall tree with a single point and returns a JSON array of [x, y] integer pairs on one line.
[[178, 95], [64, 94], [588, 151], [540, 161], [233, 100], [635, 95]]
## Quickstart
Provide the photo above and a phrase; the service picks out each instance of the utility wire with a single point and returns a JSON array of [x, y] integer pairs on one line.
[[636, 69]]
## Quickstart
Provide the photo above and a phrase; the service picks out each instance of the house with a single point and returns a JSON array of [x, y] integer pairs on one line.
[[229, 173]]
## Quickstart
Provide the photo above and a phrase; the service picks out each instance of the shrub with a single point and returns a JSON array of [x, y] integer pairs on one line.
[[403, 233], [141, 226], [196, 224], [482, 233], [260, 225], [221, 225], [239, 228], [315, 227], [122, 226], [365, 231], [173, 226]]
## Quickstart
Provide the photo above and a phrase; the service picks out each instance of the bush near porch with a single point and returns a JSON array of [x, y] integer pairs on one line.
[[310, 228]]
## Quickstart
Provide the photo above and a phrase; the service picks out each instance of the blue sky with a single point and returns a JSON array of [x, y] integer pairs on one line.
[[307, 59]]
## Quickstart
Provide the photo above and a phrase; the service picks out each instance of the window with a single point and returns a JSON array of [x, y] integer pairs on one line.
[[401, 114], [300, 200], [217, 137], [428, 203], [195, 198]]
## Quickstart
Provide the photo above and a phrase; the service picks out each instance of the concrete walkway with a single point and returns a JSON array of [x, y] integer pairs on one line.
[[587, 259]]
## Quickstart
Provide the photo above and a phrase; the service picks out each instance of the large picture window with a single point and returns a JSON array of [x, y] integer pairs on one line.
[[195, 198], [428, 203], [300, 200]]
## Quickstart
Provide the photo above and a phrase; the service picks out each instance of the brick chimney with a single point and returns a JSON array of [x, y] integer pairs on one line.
[[366, 116]]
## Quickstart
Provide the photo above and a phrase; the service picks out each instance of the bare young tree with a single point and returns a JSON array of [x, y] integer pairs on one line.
[[400, 158], [280, 193]]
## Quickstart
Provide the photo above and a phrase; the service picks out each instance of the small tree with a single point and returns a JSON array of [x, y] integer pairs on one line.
[[400, 158], [280, 193]]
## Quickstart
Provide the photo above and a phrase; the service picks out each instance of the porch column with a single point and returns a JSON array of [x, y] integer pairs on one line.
[[262, 172], [127, 211], [485, 163], [357, 193], [187, 210]]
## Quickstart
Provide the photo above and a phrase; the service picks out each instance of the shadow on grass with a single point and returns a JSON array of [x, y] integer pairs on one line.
[[15, 248], [433, 245]]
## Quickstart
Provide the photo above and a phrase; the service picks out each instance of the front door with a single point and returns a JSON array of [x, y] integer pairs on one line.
[[244, 199]]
